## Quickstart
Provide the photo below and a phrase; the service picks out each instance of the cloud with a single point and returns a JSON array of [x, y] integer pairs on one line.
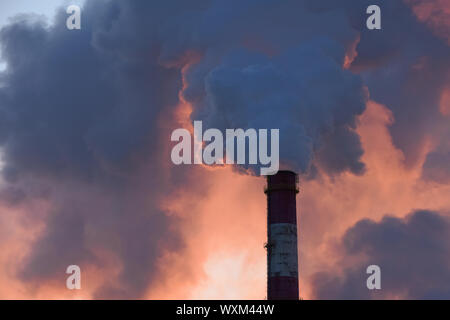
[[412, 253], [436, 167], [86, 116], [303, 92], [78, 118], [407, 76], [436, 14]]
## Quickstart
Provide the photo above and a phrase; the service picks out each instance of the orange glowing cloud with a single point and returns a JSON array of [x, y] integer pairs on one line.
[[224, 235]]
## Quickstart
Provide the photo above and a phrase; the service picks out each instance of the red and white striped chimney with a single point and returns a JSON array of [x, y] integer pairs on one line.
[[282, 261]]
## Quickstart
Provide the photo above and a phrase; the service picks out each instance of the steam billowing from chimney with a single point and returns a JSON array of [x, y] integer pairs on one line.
[[304, 92]]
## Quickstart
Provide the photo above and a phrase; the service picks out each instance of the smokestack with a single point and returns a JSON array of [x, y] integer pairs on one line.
[[282, 263]]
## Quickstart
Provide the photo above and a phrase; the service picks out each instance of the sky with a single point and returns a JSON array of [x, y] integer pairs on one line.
[[86, 118]]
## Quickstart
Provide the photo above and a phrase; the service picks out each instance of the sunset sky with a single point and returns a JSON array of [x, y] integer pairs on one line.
[[86, 176]]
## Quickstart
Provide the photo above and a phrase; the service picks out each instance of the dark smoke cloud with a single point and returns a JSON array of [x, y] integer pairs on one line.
[[408, 76], [405, 66], [413, 254], [303, 91], [276, 75], [407, 69], [71, 109], [80, 115]]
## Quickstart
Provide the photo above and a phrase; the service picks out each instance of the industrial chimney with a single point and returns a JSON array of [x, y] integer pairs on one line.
[[282, 262]]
